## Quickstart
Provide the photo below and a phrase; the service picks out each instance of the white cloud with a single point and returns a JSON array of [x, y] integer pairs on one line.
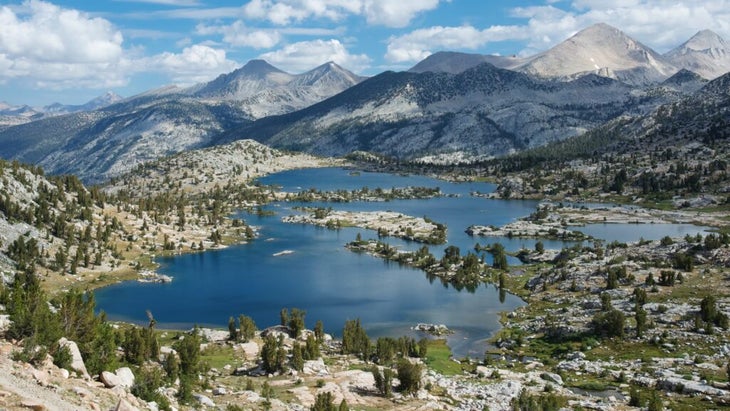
[[659, 24], [398, 13], [283, 12], [237, 34], [378, 12], [191, 13], [180, 3], [306, 55], [52, 46], [419, 44], [194, 64], [47, 46], [54, 34]]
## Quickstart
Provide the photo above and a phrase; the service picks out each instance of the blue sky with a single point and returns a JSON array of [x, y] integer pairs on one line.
[[70, 51]]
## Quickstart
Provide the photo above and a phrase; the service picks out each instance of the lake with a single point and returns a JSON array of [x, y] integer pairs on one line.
[[333, 284]]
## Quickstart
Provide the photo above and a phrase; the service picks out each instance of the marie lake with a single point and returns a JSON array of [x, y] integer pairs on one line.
[[333, 284]]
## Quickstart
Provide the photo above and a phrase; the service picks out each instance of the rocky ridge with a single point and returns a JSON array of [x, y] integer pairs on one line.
[[107, 142]]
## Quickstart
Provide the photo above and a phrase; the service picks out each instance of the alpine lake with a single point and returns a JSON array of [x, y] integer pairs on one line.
[[316, 273]]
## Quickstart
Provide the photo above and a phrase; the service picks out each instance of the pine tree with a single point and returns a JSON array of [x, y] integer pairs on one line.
[[189, 351], [232, 332], [297, 360], [247, 328]]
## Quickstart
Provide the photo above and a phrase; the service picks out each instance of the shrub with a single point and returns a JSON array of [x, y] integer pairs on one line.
[[409, 375], [609, 323]]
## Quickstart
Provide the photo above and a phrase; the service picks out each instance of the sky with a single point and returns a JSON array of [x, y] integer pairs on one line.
[[71, 51]]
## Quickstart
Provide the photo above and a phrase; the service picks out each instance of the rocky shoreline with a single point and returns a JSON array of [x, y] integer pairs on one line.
[[386, 223]]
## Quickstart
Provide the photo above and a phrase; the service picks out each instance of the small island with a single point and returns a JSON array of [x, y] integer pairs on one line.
[[386, 223]]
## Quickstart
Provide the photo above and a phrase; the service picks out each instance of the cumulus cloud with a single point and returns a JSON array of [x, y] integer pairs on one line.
[[180, 3], [195, 64], [659, 24], [419, 44], [49, 44], [381, 12], [656, 23], [306, 55], [51, 47], [239, 35], [392, 13]]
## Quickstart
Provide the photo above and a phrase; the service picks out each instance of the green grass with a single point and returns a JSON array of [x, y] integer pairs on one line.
[[627, 350], [438, 358], [591, 384], [694, 287], [217, 356]]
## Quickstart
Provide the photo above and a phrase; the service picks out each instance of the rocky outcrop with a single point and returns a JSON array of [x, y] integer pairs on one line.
[[110, 380], [204, 401], [315, 367], [433, 329], [77, 362], [125, 376]]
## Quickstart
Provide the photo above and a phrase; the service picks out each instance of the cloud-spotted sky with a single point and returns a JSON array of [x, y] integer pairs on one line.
[[70, 51]]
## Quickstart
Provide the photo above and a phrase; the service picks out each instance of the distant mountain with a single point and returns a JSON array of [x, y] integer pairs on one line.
[[455, 62], [253, 78], [261, 89], [104, 100], [8, 110], [706, 54], [603, 50], [449, 107], [108, 141], [13, 115], [16, 115], [484, 111]]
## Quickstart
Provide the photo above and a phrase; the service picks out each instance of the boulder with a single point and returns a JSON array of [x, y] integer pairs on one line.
[[210, 334], [109, 379], [576, 355], [204, 401], [4, 322], [41, 377], [126, 377], [81, 392], [250, 349], [219, 391], [77, 362], [315, 367], [123, 405], [33, 405], [552, 377]]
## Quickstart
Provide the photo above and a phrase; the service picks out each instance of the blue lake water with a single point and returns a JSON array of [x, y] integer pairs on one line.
[[333, 284]]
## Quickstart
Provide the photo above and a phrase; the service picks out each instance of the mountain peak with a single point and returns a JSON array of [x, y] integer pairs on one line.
[[601, 48], [258, 66], [601, 28], [330, 65], [105, 99], [704, 40], [455, 62], [602, 34], [706, 53], [329, 74]]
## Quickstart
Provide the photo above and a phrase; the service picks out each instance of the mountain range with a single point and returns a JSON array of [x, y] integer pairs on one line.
[[106, 142], [14, 115], [479, 113], [449, 107], [603, 50]]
